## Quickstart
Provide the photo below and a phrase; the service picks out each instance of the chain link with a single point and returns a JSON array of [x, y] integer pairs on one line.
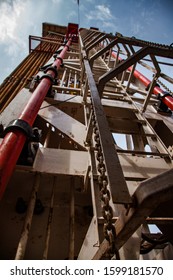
[[164, 86], [107, 211], [145, 43]]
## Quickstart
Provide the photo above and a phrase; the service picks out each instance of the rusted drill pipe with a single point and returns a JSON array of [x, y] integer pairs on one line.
[[167, 100], [13, 141]]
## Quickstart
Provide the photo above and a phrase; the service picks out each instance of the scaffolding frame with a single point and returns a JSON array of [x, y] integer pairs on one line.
[[99, 195]]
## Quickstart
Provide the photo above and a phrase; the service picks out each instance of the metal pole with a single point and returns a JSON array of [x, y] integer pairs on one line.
[[45, 253], [63, 78], [71, 221], [129, 142], [47, 140], [28, 220], [48, 230], [13, 142]]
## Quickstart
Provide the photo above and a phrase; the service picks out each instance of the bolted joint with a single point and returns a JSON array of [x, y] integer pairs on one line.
[[33, 134], [31, 145], [34, 83], [52, 68], [163, 94], [65, 45], [50, 92], [19, 125], [47, 76], [162, 107], [60, 58]]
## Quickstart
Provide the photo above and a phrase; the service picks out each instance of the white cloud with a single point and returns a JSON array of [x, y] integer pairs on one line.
[[10, 14], [136, 28], [56, 1], [104, 12], [101, 13], [71, 14], [102, 16], [13, 21], [19, 19]]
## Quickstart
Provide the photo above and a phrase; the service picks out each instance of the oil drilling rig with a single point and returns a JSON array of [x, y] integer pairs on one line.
[[86, 149]]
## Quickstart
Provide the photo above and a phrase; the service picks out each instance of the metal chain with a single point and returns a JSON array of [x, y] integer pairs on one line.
[[153, 44], [145, 43], [107, 211], [164, 86]]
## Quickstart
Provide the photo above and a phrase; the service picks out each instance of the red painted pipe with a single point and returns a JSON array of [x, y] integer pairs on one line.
[[13, 142], [167, 100]]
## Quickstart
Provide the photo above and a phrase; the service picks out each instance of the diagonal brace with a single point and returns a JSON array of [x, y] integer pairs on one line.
[[121, 67], [103, 50], [96, 41]]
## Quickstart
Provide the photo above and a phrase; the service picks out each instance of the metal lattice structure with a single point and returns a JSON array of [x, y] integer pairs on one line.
[[69, 188]]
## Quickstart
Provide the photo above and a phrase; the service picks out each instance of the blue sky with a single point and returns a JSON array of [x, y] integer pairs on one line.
[[145, 19]]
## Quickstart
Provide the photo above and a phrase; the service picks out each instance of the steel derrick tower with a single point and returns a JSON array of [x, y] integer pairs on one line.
[[70, 189]]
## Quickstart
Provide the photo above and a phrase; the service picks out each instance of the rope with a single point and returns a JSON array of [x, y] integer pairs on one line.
[[78, 13]]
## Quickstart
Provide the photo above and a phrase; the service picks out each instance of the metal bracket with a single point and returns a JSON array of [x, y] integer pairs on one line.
[[60, 58], [50, 92], [47, 76], [52, 68], [162, 107], [65, 45], [19, 125]]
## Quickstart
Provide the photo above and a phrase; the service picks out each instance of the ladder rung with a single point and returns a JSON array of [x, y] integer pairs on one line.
[[133, 152]]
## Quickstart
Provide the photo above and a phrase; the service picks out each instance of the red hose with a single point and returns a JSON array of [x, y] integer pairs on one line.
[[13, 142], [167, 100]]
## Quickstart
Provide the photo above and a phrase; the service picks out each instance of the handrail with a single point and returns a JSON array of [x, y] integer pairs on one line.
[[166, 99]]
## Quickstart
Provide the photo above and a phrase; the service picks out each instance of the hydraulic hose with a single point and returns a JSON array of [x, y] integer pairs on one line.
[[14, 140], [166, 99]]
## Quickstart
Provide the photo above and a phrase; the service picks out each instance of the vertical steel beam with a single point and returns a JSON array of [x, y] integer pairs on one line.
[[72, 221], [49, 223], [119, 190], [20, 253]]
